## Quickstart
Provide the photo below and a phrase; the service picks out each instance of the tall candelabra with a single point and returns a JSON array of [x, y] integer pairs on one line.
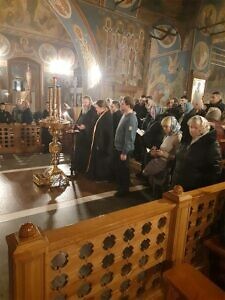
[[53, 176]]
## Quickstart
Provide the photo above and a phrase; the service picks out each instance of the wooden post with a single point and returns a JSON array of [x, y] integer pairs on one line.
[[180, 223], [27, 260]]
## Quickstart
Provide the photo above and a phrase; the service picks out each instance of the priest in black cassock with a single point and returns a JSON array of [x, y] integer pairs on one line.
[[84, 130], [99, 165]]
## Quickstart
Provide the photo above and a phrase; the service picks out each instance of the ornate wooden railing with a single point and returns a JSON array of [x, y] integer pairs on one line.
[[121, 255], [19, 138]]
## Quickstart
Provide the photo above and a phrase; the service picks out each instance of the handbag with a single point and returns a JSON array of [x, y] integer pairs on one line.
[[155, 166]]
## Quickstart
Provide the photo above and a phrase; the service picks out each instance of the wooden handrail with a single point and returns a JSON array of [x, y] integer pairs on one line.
[[185, 282]]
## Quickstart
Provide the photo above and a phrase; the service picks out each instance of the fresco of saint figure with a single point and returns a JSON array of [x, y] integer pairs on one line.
[[126, 3], [4, 45], [201, 55], [62, 7], [47, 53], [66, 54]]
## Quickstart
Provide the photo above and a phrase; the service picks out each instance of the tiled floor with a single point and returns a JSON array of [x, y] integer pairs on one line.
[[22, 201]]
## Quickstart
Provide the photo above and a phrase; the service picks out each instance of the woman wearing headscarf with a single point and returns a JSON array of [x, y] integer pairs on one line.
[[198, 162], [166, 153]]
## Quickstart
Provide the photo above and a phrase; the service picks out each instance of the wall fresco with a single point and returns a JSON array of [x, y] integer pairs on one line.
[[169, 65], [31, 16], [213, 12], [123, 49], [40, 52], [128, 7], [62, 7], [167, 76]]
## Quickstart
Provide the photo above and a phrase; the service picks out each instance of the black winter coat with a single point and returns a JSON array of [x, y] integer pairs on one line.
[[153, 136], [219, 105], [116, 116], [27, 116], [198, 164]]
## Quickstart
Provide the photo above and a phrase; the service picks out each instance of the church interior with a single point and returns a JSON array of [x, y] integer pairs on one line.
[[112, 228]]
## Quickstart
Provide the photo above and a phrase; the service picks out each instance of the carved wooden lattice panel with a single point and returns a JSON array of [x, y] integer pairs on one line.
[[18, 138], [30, 135], [121, 264], [202, 215], [6, 137]]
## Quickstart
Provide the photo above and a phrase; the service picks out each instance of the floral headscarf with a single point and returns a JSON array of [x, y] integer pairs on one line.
[[174, 124]]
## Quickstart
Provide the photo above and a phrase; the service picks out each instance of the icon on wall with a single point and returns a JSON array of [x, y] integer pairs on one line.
[[198, 88]]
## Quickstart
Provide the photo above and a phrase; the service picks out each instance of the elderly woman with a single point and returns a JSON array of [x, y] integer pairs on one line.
[[167, 150], [214, 117], [198, 163], [198, 109]]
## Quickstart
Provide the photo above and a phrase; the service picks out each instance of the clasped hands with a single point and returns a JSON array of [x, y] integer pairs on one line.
[[156, 152]]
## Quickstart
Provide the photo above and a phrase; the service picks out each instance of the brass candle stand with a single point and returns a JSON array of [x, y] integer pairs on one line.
[[53, 176]]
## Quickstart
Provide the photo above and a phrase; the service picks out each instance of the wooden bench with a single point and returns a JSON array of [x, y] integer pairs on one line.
[[185, 282], [216, 260]]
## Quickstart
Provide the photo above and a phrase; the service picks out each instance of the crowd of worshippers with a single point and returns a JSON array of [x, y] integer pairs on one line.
[[182, 143], [21, 113]]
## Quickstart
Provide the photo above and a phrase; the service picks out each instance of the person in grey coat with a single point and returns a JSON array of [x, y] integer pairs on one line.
[[124, 145]]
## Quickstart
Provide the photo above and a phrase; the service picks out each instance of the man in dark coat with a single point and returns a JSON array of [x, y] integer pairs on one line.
[[216, 101], [17, 112], [198, 163], [27, 117], [141, 110], [102, 144], [46, 137], [84, 130], [116, 114], [5, 116], [141, 113]]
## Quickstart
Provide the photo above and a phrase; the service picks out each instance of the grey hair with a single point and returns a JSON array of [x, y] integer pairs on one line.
[[203, 122]]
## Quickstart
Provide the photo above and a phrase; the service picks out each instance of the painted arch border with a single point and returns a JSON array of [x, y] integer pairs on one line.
[[78, 19]]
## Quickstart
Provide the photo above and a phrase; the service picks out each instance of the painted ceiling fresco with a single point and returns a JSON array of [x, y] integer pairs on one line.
[[211, 20], [178, 9], [31, 16]]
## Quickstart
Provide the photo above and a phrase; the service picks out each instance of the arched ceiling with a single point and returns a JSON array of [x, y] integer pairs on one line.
[[180, 14], [180, 10]]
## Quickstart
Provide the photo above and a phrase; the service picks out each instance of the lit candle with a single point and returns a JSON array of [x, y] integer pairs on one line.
[[55, 108], [50, 100], [59, 100]]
